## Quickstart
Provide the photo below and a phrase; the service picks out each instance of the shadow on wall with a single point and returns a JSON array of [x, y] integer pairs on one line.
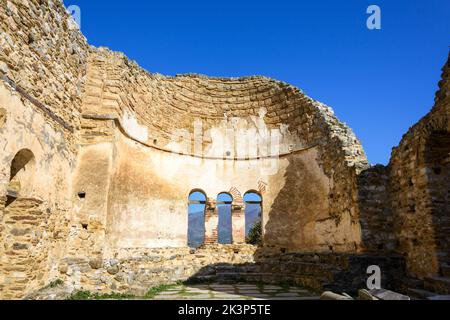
[[437, 161], [300, 200], [291, 256], [196, 218]]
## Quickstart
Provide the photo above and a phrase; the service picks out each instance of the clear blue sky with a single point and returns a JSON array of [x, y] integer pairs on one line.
[[378, 82]]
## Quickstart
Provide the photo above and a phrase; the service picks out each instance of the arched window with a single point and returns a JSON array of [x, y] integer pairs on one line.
[[21, 175], [253, 217], [196, 219], [225, 227]]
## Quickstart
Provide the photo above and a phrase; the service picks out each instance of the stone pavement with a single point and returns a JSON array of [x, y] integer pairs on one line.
[[235, 292]]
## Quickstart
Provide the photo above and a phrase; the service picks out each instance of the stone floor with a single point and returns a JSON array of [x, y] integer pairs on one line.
[[235, 292]]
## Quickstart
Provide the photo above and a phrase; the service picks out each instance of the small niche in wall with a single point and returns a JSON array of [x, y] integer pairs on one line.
[[437, 170], [85, 226], [82, 195], [31, 38], [2, 117], [155, 142]]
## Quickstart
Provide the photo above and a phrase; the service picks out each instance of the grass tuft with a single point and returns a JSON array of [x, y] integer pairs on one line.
[[153, 292], [56, 283], [87, 295]]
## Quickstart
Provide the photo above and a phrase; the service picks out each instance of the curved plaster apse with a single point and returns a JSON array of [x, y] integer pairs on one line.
[[191, 131]]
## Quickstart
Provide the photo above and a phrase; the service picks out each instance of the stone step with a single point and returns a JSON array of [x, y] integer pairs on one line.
[[440, 285], [420, 294], [302, 268], [413, 283], [202, 279], [445, 270], [240, 274]]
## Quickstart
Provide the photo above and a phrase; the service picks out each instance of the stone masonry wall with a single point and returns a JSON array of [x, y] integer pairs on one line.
[[136, 270], [149, 108], [419, 187], [43, 52], [42, 68], [376, 218]]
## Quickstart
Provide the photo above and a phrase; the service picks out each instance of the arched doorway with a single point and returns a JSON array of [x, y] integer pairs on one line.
[[253, 217], [24, 225], [196, 218], [21, 175], [225, 226]]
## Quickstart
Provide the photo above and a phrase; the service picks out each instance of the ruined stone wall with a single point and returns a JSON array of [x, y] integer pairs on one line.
[[310, 200], [136, 270], [35, 225], [42, 68], [420, 188], [405, 207], [127, 140]]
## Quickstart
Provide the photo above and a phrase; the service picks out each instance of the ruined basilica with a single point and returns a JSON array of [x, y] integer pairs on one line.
[[99, 158]]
